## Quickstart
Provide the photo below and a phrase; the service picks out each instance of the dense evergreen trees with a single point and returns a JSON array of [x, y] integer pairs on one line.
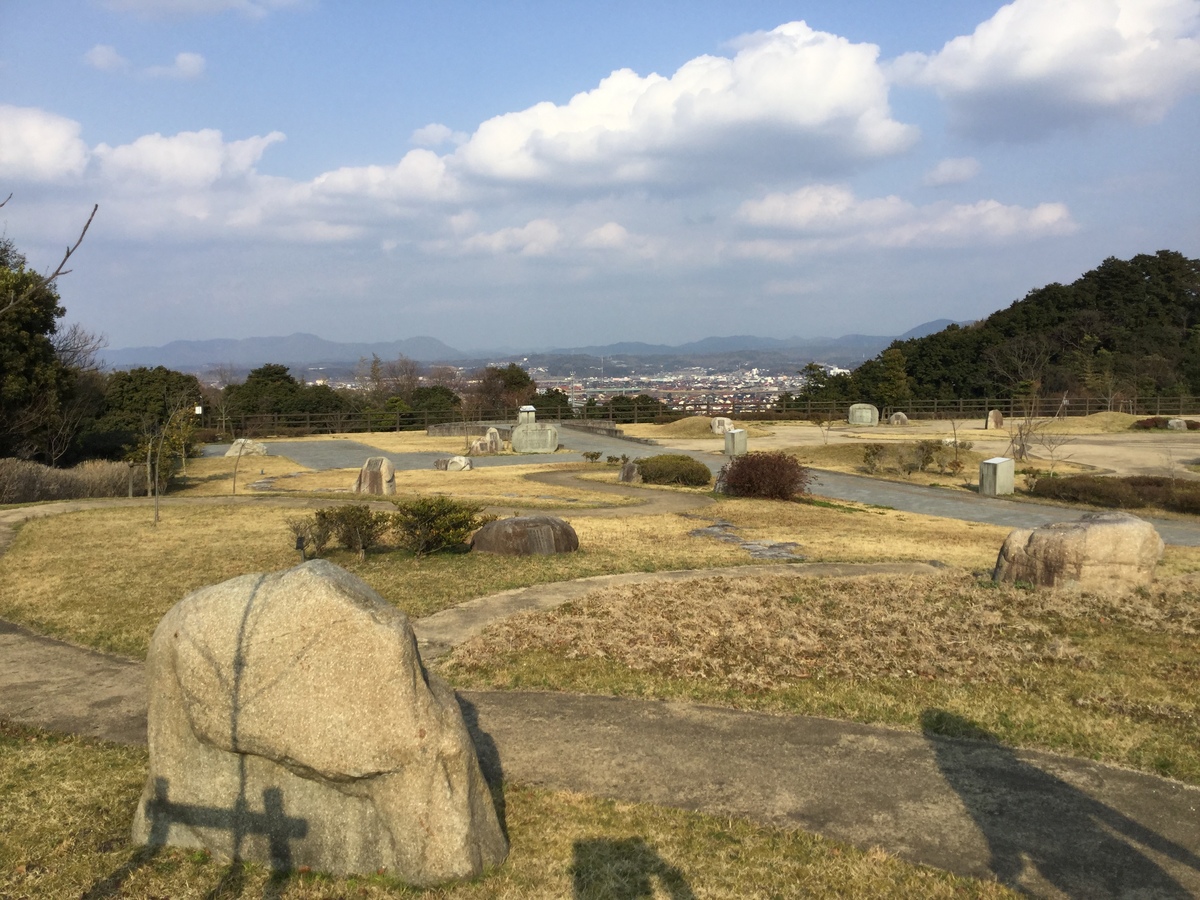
[[1126, 329]]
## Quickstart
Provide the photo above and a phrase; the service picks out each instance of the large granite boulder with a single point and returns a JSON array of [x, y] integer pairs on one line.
[[1177, 425], [454, 464], [494, 441], [377, 476], [720, 424], [246, 447], [897, 418], [630, 473], [995, 420], [1101, 551], [526, 536], [291, 722]]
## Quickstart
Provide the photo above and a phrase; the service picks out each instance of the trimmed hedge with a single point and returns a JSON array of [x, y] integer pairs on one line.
[[1160, 422], [770, 475], [674, 468], [1130, 492], [430, 524]]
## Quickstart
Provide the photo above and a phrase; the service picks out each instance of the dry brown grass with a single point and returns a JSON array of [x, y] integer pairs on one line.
[[849, 532], [693, 428], [399, 441], [68, 803], [103, 578], [213, 476], [1110, 677]]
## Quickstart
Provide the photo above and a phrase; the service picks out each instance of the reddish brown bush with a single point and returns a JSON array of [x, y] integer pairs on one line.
[[770, 475]]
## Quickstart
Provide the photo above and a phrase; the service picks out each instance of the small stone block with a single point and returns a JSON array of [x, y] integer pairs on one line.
[[996, 476]]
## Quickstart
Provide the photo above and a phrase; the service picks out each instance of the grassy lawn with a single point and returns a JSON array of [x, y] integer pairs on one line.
[[1108, 678], [68, 804]]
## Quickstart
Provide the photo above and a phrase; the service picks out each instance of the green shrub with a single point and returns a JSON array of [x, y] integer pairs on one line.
[[355, 526], [770, 475], [430, 524], [674, 468], [1114, 493]]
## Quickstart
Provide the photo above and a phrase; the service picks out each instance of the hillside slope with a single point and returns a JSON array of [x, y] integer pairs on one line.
[[1126, 328]]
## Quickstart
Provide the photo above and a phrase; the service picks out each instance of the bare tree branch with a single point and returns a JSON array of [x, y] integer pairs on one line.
[[46, 280]]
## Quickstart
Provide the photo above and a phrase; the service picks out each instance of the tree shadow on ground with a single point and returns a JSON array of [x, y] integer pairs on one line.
[[1042, 830], [624, 869]]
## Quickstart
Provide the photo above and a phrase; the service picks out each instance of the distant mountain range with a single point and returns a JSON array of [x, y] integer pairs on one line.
[[308, 351]]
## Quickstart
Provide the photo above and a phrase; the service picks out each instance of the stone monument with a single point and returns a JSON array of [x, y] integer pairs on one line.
[[720, 424], [246, 447], [1099, 552], [377, 476], [863, 414], [995, 419], [292, 723], [526, 536], [897, 418], [735, 442], [530, 436], [996, 476]]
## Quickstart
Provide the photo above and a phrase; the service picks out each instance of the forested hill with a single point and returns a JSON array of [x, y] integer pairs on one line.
[[1127, 328]]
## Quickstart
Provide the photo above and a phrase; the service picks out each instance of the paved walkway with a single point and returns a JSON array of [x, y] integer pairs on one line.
[[1052, 826]]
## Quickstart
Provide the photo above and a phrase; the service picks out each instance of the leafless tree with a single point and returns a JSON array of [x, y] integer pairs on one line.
[[12, 298]]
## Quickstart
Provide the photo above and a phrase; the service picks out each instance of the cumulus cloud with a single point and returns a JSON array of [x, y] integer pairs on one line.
[[161, 9], [185, 66], [792, 99], [437, 135], [420, 175], [952, 171], [189, 159], [609, 236], [831, 215], [39, 146], [537, 238], [1040, 65], [105, 58]]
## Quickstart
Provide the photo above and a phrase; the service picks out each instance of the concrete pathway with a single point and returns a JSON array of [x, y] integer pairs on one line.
[[1051, 826]]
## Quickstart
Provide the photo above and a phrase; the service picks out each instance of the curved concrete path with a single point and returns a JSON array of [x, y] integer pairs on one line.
[[1051, 826]]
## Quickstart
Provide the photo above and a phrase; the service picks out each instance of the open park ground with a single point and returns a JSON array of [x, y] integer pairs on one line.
[[939, 651]]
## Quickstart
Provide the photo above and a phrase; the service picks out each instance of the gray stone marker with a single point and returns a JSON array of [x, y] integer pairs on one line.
[[377, 476], [995, 419], [897, 418], [721, 425], [863, 414], [996, 476], [495, 444], [735, 442], [630, 474], [531, 436], [1177, 425], [291, 722]]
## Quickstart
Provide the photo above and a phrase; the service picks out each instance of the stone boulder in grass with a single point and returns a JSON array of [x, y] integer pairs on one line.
[[526, 536], [291, 722], [1102, 551]]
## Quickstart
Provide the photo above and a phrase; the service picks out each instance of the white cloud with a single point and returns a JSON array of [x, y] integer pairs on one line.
[[420, 175], [39, 146], [609, 236], [1040, 65], [162, 9], [190, 159], [956, 170], [436, 135], [791, 99], [105, 58], [821, 208], [831, 216], [537, 238], [185, 66]]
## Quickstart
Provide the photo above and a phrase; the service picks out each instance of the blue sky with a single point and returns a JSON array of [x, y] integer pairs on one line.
[[541, 174]]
